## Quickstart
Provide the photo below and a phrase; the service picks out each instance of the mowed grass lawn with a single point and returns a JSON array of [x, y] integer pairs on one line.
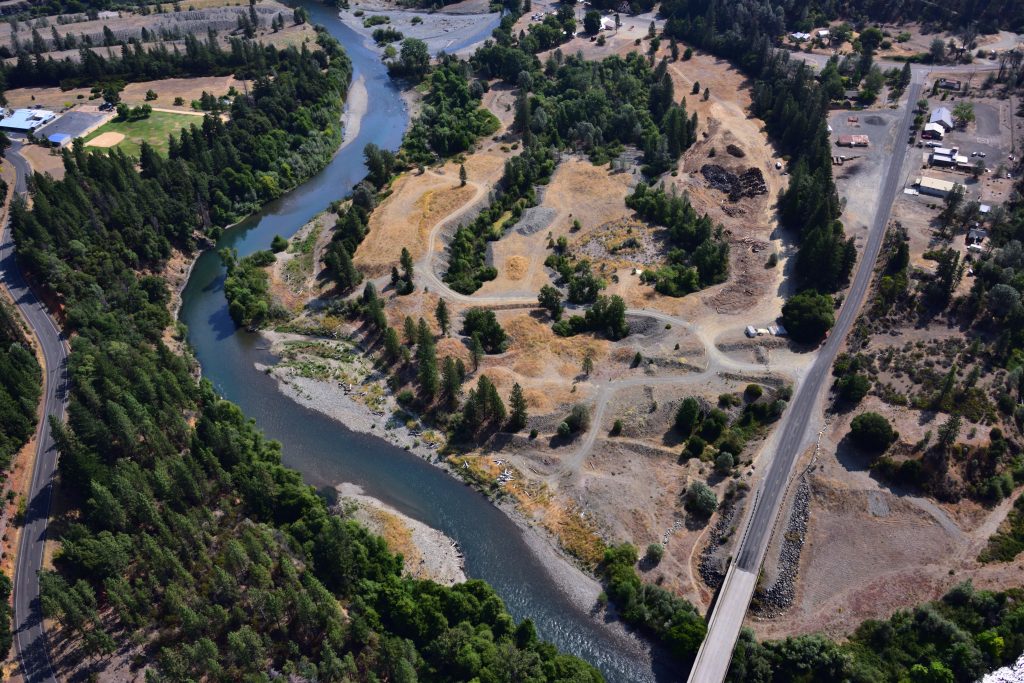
[[153, 130]]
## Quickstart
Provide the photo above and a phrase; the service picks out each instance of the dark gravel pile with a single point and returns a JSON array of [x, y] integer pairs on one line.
[[712, 565], [778, 597], [750, 183]]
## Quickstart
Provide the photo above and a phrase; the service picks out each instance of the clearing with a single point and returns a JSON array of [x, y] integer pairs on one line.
[[153, 129]]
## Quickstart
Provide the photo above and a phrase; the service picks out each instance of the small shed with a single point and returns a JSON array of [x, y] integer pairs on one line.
[[933, 131], [750, 331], [59, 139]]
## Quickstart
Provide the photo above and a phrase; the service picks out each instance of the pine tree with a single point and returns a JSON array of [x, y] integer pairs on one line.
[[407, 265], [441, 313], [392, 345], [517, 402], [409, 328], [423, 333], [462, 174], [426, 359], [451, 382], [477, 349], [495, 406], [588, 362]]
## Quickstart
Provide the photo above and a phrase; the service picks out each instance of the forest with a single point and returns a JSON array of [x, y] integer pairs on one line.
[[188, 533], [20, 386], [959, 638], [134, 62], [988, 16]]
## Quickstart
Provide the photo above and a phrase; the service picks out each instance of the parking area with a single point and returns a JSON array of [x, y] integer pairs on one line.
[[858, 178], [74, 123]]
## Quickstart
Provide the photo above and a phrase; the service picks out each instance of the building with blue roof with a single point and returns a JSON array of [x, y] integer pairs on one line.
[[59, 139]]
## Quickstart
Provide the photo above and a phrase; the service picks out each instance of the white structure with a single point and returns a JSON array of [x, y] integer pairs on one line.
[[943, 117], [25, 120], [823, 33], [800, 35], [935, 187], [933, 131]]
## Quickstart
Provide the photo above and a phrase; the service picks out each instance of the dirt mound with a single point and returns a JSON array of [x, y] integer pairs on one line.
[[516, 267], [750, 183], [735, 151], [874, 121]]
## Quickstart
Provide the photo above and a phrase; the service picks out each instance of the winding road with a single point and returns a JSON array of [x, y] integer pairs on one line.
[[30, 640]]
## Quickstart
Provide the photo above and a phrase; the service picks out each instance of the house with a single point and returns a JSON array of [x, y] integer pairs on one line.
[[852, 95], [946, 151], [948, 84], [823, 33], [984, 208], [943, 117], [937, 159], [934, 186], [853, 141], [933, 131], [26, 120], [607, 24], [799, 36], [976, 235]]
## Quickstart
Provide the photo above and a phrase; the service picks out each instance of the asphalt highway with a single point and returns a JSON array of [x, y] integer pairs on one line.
[[712, 662], [30, 640]]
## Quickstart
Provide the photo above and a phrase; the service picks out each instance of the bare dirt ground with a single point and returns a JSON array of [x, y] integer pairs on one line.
[[43, 160], [134, 94], [871, 549], [519, 256], [574, 488], [105, 140]]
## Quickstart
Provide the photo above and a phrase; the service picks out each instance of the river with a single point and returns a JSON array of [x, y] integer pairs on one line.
[[326, 453]]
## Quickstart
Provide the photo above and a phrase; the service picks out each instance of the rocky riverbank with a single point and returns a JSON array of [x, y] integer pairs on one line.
[[428, 553]]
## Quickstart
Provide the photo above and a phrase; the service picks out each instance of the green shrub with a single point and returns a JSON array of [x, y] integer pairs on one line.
[[872, 432]]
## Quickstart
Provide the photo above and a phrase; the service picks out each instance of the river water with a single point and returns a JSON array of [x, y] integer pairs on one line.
[[326, 453]]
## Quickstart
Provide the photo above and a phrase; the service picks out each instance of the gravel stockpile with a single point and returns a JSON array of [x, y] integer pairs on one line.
[[712, 565], [535, 219], [779, 596]]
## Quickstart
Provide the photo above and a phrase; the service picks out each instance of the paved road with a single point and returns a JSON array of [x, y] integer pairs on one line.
[[715, 654], [30, 639]]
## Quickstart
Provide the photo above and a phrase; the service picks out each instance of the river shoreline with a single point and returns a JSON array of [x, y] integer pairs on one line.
[[339, 403], [500, 547], [427, 552]]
